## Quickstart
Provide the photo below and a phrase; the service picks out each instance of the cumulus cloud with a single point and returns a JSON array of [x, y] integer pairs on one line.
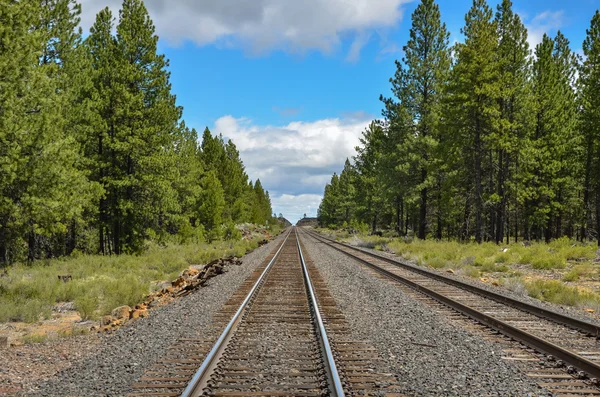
[[294, 207], [264, 25], [545, 22], [294, 161]]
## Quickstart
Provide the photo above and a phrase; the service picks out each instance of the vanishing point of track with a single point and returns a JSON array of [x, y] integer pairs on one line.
[[274, 339], [564, 351]]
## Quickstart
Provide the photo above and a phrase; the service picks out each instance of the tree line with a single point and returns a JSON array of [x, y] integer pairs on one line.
[[94, 154], [486, 139]]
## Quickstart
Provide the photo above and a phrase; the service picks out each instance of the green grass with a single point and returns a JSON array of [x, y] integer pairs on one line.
[[506, 262], [556, 291], [101, 283]]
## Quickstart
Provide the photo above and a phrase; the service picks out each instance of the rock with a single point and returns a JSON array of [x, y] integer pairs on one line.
[[589, 310], [106, 320], [16, 343], [178, 282], [64, 307], [3, 342], [121, 312], [450, 271], [159, 285], [138, 313], [496, 283]]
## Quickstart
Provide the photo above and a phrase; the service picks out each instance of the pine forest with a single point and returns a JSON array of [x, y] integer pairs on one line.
[[94, 154], [485, 140]]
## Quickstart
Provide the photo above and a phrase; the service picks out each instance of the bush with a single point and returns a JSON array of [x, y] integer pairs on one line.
[[86, 305], [556, 292]]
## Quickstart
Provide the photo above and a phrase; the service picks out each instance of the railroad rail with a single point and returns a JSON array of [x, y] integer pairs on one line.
[[275, 339], [569, 343]]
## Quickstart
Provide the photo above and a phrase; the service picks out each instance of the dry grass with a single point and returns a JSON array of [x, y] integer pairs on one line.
[[555, 266]]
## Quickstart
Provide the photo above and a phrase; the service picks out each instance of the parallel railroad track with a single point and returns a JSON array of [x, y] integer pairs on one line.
[[281, 335], [560, 352]]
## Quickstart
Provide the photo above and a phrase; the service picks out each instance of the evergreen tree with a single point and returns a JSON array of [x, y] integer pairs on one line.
[[553, 71], [418, 85], [474, 105], [40, 188], [515, 104], [211, 209], [590, 87]]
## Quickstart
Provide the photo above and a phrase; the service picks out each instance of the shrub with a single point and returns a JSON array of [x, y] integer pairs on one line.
[[86, 305], [557, 292]]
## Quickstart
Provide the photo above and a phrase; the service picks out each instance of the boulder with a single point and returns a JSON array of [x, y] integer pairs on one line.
[[106, 320], [121, 312]]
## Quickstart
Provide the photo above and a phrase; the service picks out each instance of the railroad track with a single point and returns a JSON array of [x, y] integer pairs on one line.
[[561, 353], [279, 335]]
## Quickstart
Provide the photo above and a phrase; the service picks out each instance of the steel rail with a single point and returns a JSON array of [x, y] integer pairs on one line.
[[200, 379], [584, 326], [335, 382], [589, 367]]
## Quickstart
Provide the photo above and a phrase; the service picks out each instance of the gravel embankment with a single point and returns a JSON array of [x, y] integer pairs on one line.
[[453, 362], [122, 357]]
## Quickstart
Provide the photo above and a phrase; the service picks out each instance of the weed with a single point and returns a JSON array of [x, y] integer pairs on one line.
[[34, 338], [578, 272], [557, 292]]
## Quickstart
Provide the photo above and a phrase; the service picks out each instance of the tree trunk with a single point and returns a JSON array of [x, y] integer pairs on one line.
[[423, 208], [478, 185], [31, 246], [598, 211], [500, 211], [399, 214], [586, 193]]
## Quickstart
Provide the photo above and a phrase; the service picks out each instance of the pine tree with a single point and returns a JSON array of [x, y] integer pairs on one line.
[[101, 46], [138, 120], [211, 209], [548, 177], [590, 93], [474, 103], [41, 188], [515, 102], [369, 193], [328, 211], [418, 85]]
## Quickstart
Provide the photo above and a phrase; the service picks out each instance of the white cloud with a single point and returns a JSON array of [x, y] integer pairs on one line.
[[295, 26], [546, 22], [297, 159], [294, 207], [359, 42]]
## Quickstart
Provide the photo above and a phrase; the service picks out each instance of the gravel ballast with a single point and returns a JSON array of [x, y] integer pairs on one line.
[[430, 356], [123, 356]]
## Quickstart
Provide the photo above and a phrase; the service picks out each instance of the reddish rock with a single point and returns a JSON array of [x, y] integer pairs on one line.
[[121, 312], [178, 282], [138, 313]]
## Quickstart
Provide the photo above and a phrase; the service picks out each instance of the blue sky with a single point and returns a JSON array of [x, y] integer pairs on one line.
[[293, 84]]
